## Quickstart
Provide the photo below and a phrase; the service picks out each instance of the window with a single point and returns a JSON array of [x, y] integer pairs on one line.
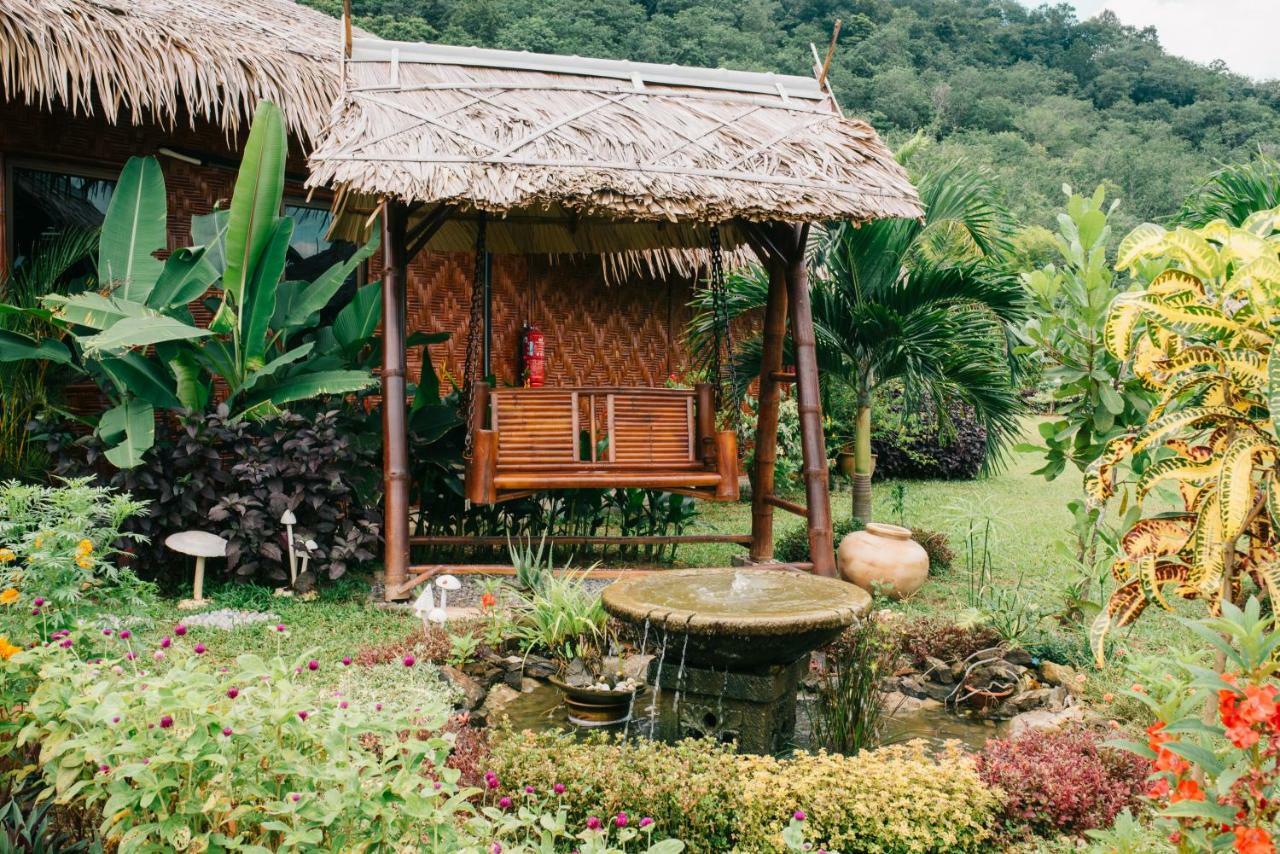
[[310, 251], [46, 203]]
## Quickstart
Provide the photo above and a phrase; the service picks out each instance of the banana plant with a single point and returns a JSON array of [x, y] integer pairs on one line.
[[138, 339], [1201, 335]]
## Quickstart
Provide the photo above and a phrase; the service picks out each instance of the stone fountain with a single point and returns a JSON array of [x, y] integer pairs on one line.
[[731, 646]]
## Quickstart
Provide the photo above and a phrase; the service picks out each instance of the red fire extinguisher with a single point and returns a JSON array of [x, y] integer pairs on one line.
[[533, 356]]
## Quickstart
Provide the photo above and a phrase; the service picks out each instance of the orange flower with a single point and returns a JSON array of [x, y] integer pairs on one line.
[[488, 600], [9, 596], [7, 556], [7, 650], [1188, 790], [84, 547], [84, 562], [1254, 840]]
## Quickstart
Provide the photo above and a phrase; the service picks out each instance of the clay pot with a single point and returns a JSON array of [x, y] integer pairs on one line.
[[883, 559]]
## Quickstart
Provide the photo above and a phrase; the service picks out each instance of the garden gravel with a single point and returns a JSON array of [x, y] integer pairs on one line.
[[229, 618]]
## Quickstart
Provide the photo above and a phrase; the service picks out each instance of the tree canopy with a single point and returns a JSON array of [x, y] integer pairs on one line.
[[1038, 96]]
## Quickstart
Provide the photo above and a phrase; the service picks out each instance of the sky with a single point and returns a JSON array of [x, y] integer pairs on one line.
[[1242, 33]]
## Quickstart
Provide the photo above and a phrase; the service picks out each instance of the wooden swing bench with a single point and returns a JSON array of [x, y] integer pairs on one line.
[[528, 440]]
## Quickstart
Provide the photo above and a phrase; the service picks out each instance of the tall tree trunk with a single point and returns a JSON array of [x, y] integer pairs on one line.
[[862, 460]]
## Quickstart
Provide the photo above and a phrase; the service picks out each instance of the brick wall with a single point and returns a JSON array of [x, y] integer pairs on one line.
[[597, 332]]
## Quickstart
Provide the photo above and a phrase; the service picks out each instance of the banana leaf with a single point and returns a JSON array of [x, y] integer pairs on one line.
[[132, 425], [144, 378], [316, 295], [133, 230], [260, 295], [255, 202], [95, 311], [357, 322], [140, 332], [309, 385], [16, 347], [185, 277]]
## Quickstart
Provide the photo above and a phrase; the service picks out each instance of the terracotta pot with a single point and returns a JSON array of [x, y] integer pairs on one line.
[[883, 559], [844, 463]]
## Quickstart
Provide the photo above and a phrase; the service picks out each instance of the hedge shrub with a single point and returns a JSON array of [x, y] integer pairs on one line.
[[914, 445]]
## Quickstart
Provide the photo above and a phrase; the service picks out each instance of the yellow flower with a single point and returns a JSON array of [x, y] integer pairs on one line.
[[84, 562], [9, 596], [84, 547], [7, 650], [7, 556]]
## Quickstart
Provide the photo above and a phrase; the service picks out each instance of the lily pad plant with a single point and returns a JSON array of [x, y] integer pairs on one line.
[[136, 336]]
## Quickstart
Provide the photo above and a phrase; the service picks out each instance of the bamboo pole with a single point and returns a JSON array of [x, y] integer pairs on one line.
[[395, 437], [775, 325], [816, 487]]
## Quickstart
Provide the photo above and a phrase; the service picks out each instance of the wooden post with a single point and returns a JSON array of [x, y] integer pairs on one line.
[[705, 411], [816, 488], [395, 436], [775, 326], [727, 465]]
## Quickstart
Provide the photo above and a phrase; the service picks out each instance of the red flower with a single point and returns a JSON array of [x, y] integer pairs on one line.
[[1159, 789], [1254, 840], [1188, 790], [488, 600], [1167, 760], [1260, 703]]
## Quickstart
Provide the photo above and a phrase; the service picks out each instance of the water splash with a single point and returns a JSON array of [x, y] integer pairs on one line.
[[675, 703], [631, 707], [657, 685]]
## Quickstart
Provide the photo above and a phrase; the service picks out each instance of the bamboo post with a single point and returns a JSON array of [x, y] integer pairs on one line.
[[766, 453], [395, 437], [727, 465], [706, 422], [816, 487]]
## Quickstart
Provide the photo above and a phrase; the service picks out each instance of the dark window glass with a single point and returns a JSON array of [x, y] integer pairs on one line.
[[47, 203]]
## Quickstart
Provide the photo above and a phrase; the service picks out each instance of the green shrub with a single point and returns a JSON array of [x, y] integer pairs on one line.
[[937, 546], [62, 545], [895, 799], [793, 546], [258, 753], [689, 789]]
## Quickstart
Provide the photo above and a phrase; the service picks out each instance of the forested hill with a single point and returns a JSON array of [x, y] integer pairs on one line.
[[1038, 96]]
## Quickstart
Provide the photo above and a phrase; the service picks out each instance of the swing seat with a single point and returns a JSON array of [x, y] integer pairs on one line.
[[598, 438]]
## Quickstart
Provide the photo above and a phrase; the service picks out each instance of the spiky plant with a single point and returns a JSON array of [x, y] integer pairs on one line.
[[1201, 334]]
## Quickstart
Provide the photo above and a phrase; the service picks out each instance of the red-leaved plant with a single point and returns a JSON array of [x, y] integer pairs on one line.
[[1217, 785], [1065, 781]]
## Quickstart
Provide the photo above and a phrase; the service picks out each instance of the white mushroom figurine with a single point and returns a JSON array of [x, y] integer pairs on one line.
[[445, 583], [289, 520], [424, 605], [200, 545]]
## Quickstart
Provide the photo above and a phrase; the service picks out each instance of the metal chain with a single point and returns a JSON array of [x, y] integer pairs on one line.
[[475, 330], [723, 335]]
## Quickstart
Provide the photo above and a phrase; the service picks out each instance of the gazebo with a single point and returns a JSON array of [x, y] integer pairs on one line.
[[639, 163]]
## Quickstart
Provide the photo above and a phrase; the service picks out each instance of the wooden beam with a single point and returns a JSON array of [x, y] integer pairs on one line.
[[782, 377], [416, 240], [395, 437], [766, 451], [790, 506], [816, 487], [567, 540]]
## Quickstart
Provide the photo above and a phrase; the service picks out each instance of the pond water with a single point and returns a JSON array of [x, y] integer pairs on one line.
[[542, 709]]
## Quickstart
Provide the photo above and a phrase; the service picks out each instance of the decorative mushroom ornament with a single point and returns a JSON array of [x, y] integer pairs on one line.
[[424, 605], [200, 545], [445, 583], [289, 520]]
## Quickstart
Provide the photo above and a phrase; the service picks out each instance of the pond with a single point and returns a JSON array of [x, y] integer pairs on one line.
[[542, 709]]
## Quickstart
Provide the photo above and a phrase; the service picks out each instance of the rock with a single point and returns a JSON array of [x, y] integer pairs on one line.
[[528, 685], [536, 665], [898, 703], [957, 671], [1040, 719], [1018, 656], [500, 696], [939, 670], [913, 686], [577, 674], [633, 666], [1036, 698], [938, 691], [513, 678], [473, 693], [1061, 674]]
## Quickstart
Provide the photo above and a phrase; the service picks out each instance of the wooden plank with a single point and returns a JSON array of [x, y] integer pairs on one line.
[[508, 571], [789, 506], [603, 540], [613, 445], [573, 427]]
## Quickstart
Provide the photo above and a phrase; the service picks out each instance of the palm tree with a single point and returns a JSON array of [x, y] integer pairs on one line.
[[924, 303], [1232, 193]]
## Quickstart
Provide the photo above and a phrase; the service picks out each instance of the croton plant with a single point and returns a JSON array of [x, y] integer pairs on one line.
[[1200, 334]]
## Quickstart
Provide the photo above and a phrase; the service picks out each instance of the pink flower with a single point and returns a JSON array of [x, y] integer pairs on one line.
[[179, 630], [104, 768], [106, 633], [528, 790], [166, 642], [593, 823], [302, 715], [226, 730], [131, 655], [646, 821], [492, 781], [279, 627], [39, 601], [66, 644], [504, 802], [799, 815], [409, 661], [558, 788], [166, 722], [158, 655], [342, 705], [346, 661], [199, 649], [495, 848], [377, 707], [620, 820], [116, 719], [313, 665], [125, 634], [233, 692], [295, 797]]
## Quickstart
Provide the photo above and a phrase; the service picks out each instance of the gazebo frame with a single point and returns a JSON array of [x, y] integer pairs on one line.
[[430, 177]]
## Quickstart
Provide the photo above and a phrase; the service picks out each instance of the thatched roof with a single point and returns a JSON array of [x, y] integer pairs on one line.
[[574, 155], [135, 60]]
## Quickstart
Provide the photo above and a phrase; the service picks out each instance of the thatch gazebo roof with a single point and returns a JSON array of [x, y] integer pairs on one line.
[[588, 156], [168, 59]]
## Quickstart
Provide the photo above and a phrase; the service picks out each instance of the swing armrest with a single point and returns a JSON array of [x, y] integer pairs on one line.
[[482, 468]]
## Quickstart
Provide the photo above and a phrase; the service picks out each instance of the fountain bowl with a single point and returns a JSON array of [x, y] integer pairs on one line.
[[739, 618]]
